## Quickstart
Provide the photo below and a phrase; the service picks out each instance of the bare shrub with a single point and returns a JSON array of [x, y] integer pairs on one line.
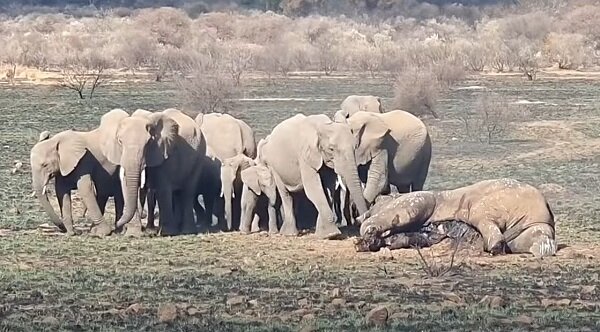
[[238, 60], [417, 91], [84, 71], [168, 25], [489, 119], [568, 50], [527, 55], [207, 91], [476, 56], [433, 266]]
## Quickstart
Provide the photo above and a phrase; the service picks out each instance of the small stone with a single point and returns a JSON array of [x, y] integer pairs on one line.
[[591, 289], [524, 319], [492, 301], [192, 311], [236, 300], [167, 313], [50, 321], [303, 302], [308, 317], [454, 298], [220, 272], [300, 312], [253, 303], [399, 316], [359, 304], [308, 328], [378, 316], [335, 292], [249, 312], [555, 303], [135, 308], [338, 302]]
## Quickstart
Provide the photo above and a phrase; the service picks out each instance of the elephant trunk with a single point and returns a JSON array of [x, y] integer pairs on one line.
[[40, 192], [349, 173], [249, 200], [228, 195], [130, 182], [377, 177]]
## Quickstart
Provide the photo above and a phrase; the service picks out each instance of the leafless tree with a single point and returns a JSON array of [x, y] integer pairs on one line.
[[489, 119], [80, 72], [238, 60]]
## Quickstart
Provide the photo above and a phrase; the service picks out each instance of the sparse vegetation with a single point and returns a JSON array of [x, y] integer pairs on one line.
[[489, 119]]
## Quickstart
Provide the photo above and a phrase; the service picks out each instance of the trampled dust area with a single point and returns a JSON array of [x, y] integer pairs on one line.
[[262, 282]]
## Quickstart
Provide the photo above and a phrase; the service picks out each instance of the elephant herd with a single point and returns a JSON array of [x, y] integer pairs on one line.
[[343, 166]]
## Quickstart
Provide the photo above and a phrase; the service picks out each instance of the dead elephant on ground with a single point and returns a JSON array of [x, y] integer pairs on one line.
[[511, 216]]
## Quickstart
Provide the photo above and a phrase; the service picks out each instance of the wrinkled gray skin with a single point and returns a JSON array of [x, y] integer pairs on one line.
[[511, 216], [76, 160], [357, 103], [230, 144], [305, 153], [169, 147], [258, 181], [394, 150]]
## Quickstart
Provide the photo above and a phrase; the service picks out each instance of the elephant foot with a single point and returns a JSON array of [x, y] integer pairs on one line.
[[168, 231], [151, 230], [255, 225], [134, 231], [73, 232], [327, 231], [189, 230], [498, 249], [101, 230], [289, 230]]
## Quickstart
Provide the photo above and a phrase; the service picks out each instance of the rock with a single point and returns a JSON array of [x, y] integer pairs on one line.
[[335, 292], [591, 289], [300, 312], [253, 303], [167, 313], [249, 312], [338, 302], [135, 308], [303, 302], [50, 321], [454, 298], [193, 311], [308, 317], [220, 272], [378, 316], [524, 319], [492, 301], [555, 303], [399, 316], [236, 300]]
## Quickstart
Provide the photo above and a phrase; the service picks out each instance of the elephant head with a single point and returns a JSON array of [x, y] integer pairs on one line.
[[257, 180], [334, 146], [134, 143], [370, 133], [230, 172], [51, 157], [353, 104]]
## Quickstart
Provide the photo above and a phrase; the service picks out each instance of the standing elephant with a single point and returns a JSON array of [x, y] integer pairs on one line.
[[76, 160], [168, 147], [510, 215], [355, 103], [258, 180], [306, 153], [394, 148], [231, 139]]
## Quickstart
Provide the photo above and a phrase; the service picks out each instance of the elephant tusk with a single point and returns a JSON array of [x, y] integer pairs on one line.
[[122, 175], [32, 194], [221, 194], [44, 190], [233, 194], [386, 233], [339, 183], [143, 179]]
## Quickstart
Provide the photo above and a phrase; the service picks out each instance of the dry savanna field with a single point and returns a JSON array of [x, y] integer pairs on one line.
[[230, 282]]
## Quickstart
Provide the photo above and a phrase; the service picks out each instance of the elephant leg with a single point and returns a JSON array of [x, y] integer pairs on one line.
[[255, 228], [537, 240], [119, 204], [85, 187], [167, 225], [64, 202], [313, 187], [134, 227], [101, 201], [201, 216], [289, 226], [188, 225], [492, 236], [273, 229]]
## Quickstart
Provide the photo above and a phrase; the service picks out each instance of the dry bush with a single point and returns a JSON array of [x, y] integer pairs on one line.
[[417, 91], [83, 71], [433, 266], [489, 119], [568, 50], [526, 55], [207, 91], [238, 60], [169, 26]]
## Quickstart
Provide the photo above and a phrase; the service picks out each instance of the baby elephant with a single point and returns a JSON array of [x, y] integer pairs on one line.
[[511, 216]]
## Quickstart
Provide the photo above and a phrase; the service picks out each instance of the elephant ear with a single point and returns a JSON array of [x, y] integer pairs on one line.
[[199, 119], [369, 131], [44, 135], [163, 131], [250, 178], [381, 110], [109, 126], [71, 148], [311, 153]]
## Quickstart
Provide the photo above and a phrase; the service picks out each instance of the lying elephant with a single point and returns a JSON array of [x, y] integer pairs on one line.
[[510, 215]]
